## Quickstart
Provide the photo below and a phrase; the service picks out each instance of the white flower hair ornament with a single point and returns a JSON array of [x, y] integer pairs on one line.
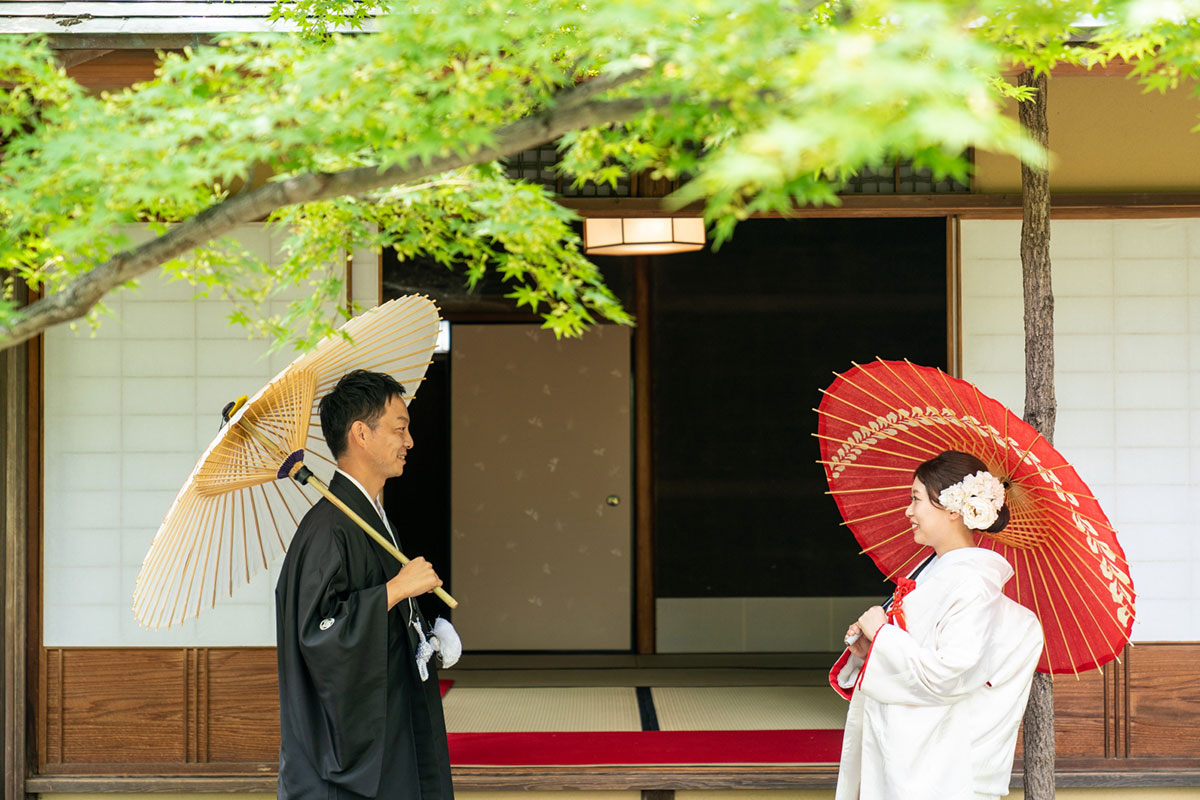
[[978, 498]]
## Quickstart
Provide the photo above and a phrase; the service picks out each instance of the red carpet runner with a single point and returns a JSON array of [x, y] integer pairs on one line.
[[646, 747]]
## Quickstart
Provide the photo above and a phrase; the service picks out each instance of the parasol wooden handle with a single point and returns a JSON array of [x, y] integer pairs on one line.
[[298, 468], [314, 481], [376, 535]]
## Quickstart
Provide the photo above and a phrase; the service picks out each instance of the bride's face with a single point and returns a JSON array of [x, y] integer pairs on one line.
[[931, 524]]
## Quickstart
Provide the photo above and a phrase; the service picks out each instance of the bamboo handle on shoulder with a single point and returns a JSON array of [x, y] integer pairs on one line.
[[302, 474], [376, 535]]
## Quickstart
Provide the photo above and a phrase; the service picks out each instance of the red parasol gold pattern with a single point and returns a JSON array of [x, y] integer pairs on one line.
[[879, 421]]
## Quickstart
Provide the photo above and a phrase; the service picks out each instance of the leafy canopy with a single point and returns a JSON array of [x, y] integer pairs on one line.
[[393, 138]]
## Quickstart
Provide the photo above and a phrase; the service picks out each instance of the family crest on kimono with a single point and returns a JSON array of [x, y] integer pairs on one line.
[[360, 706], [938, 682]]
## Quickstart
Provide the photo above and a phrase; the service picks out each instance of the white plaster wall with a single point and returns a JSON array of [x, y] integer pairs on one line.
[[128, 411], [1127, 348]]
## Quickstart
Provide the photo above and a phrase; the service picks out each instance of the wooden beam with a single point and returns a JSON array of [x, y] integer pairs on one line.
[[1139, 205], [1097, 773], [148, 42], [72, 58], [98, 69]]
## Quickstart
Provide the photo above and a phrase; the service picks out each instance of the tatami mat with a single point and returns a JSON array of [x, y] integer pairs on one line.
[[505, 710], [746, 708]]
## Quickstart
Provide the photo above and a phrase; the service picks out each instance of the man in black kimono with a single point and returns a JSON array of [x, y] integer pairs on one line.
[[356, 719]]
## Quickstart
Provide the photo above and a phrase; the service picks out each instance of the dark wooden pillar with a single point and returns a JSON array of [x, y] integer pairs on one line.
[[644, 621], [14, 478]]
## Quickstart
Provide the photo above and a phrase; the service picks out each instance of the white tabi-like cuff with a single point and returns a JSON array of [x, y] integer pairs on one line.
[[849, 673]]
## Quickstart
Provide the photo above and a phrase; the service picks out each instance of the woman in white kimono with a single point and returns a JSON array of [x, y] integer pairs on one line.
[[938, 682]]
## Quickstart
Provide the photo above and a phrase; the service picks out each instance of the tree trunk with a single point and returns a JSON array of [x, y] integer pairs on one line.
[[1040, 405]]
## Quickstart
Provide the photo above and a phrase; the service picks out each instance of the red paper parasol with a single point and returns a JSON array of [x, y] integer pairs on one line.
[[879, 421]]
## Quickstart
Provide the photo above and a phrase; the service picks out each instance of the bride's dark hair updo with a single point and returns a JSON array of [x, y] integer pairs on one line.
[[949, 468]]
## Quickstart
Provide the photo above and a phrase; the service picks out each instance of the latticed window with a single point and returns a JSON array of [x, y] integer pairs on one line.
[[537, 166], [900, 178]]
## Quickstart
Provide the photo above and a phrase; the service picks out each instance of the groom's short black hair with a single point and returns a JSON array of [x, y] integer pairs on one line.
[[359, 395]]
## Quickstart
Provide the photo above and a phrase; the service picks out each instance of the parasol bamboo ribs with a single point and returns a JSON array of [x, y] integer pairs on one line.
[[298, 474], [923, 554], [952, 433]]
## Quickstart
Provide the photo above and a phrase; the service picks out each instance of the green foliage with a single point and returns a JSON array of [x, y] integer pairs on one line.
[[760, 104], [317, 19]]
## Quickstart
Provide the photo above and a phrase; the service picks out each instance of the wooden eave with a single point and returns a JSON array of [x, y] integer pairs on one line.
[[138, 24]]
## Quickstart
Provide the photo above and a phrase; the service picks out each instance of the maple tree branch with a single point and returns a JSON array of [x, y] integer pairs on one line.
[[571, 109]]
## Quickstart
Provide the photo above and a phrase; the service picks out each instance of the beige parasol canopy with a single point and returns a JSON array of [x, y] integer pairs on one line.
[[238, 509]]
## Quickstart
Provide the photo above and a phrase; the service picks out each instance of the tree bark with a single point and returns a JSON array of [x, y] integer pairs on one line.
[[1040, 405], [573, 108]]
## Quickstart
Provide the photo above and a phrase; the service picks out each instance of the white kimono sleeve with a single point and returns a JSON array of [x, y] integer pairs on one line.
[[944, 669]]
